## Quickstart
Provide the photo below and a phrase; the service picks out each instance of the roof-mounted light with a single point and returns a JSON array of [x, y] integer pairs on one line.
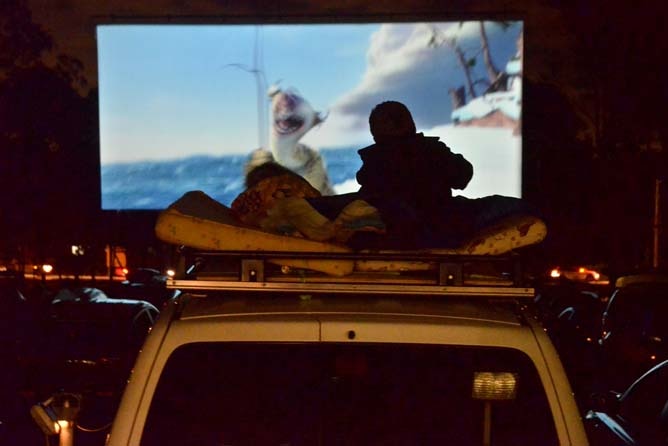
[[490, 387]]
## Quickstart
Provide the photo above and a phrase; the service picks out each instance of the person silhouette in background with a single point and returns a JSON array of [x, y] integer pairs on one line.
[[409, 177], [409, 166]]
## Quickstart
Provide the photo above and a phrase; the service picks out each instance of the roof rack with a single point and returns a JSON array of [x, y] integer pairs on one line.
[[387, 272]]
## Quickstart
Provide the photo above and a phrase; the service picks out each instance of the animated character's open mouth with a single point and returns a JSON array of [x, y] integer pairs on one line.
[[289, 124]]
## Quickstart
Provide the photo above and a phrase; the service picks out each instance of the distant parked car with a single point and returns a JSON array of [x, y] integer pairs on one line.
[[146, 284], [634, 325], [87, 341], [145, 277], [578, 274], [638, 416], [94, 325], [571, 316], [78, 341]]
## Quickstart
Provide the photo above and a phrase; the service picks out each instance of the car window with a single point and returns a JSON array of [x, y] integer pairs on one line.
[[338, 394], [640, 308]]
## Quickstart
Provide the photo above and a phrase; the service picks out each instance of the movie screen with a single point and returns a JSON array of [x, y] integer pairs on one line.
[[188, 107]]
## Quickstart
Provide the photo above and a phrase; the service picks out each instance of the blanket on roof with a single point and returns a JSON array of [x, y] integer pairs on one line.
[[286, 204]]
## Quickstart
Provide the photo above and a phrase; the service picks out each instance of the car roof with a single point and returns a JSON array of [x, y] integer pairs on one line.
[[645, 278], [292, 303]]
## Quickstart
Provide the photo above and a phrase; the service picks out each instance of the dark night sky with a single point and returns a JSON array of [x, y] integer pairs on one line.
[[595, 95]]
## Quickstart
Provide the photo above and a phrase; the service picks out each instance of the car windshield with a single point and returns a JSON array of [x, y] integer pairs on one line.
[[339, 394]]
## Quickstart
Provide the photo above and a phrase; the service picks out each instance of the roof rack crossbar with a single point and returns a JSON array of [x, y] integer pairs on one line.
[[495, 292], [408, 255], [205, 268]]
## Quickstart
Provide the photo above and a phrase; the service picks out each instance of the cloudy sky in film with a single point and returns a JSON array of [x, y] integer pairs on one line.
[[174, 91]]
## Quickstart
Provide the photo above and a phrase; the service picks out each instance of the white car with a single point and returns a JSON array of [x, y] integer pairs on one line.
[[388, 360], [579, 274]]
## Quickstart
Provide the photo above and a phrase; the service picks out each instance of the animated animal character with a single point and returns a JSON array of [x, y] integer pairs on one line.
[[292, 117]]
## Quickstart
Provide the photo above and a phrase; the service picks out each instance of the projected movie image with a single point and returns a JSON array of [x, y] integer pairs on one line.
[[187, 107]]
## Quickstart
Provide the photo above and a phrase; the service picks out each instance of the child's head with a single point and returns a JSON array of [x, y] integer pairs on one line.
[[389, 120]]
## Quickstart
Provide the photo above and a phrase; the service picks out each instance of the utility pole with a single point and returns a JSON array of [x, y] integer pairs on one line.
[[656, 227]]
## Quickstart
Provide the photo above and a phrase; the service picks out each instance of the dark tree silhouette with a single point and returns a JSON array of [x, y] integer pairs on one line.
[[46, 137], [492, 71], [437, 39], [605, 143], [21, 41], [467, 62]]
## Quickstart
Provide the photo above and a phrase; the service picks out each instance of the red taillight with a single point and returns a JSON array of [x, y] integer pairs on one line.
[[120, 272]]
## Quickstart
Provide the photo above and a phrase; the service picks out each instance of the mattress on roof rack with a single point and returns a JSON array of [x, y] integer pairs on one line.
[[200, 222]]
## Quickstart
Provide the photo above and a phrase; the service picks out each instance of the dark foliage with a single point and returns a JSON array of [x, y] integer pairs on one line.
[[48, 137]]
